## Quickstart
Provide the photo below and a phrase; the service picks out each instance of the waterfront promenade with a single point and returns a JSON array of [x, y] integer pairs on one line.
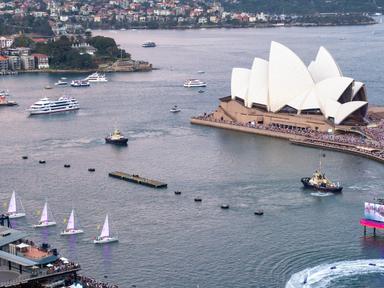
[[365, 142]]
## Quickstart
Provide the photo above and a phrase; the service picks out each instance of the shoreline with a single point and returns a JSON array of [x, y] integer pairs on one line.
[[361, 151]]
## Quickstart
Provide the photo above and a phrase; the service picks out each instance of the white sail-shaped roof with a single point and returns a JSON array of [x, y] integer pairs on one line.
[[347, 109], [239, 83], [288, 76], [324, 66], [330, 108], [258, 83], [332, 88]]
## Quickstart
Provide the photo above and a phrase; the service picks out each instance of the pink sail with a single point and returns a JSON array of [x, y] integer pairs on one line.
[[71, 221], [105, 231], [12, 203]]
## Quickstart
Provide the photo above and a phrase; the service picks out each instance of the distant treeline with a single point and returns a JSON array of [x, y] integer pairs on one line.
[[11, 25], [304, 6]]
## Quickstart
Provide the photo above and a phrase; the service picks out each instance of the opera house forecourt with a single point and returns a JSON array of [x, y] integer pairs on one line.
[[314, 105]]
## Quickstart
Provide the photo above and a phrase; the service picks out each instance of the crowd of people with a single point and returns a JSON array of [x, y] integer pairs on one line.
[[88, 282], [368, 140]]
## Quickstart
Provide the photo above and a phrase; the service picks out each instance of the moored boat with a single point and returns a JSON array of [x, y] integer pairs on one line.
[[321, 183], [116, 138], [175, 109], [194, 83], [105, 236], [80, 83], [61, 83], [4, 99], [46, 106]]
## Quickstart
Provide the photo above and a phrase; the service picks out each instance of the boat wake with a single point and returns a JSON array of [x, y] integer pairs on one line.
[[322, 275], [322, 194]]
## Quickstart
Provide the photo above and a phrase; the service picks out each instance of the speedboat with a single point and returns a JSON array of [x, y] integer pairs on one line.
[[61, 83], [96, 77], [46, 106], [105, 236], [148, 44], [175, 109], [80, 83], [116, 138], [194, 83], [71, 230]]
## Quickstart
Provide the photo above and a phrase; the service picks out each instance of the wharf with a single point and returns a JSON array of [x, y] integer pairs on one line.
[[138, 179]]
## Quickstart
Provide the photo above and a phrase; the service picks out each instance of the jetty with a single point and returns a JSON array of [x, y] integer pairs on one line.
[[135, 178]]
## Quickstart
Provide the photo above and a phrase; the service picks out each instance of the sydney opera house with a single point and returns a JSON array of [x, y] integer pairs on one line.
[[284, 91]]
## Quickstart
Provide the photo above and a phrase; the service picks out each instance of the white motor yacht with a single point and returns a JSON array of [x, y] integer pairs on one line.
[[46, 106], [194, 83], [96, 77]]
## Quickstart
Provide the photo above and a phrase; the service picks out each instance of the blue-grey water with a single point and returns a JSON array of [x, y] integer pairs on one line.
[[168, 240]]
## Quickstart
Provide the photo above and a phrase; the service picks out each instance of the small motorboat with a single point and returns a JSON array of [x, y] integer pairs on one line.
[[224, 206], [175, 109], [61, 83], [148, 44], [177, 192], [116, 138], [42, 161], [24, 157], [259, 212], [91, 169], [80, 83], [48, 87], [201, 91], [200, 72], [198, 199], [67, 165]]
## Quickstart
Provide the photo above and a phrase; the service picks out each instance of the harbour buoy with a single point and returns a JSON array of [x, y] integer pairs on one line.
[[91, 169], [224, 206], [25, 157], [42, 161], [177, 192], [259, 212], [67, 165], [198, 199]]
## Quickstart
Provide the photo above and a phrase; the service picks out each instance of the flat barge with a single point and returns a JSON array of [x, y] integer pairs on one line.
[[138, 179]]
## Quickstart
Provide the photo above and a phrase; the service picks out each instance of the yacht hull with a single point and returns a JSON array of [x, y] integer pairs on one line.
[[45, 224], [52, 111], [106, 240], [71, 232], [16, 215]]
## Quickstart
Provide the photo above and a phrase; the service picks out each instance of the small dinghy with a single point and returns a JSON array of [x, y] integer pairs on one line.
[[67, 166], [91, 169], [42, 161], [259, 212], [224, 206], [105, 236], [12, 208], [44, 219], [177, 192], [71, 228], [175, 109], [198, 199], [25, 157]]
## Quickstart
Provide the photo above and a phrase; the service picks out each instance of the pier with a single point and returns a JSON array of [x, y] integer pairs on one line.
[[138, 179]]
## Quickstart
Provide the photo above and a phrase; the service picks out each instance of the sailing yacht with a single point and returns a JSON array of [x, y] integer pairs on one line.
[[71, 230], [44, 220], [12, 208], [105, 235]]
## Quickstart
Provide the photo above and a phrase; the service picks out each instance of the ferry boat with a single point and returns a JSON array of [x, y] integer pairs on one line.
[[4, 99], [148, 44], [116, 138], [80, 83], [46, 106], [96, 77], [194, 83]]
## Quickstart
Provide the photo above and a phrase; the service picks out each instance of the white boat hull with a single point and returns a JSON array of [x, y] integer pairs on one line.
[[45, 224], [72, 232], [16, 215], [105, 240], [33, 112], [194, 85], [174, 110], [100, 80]]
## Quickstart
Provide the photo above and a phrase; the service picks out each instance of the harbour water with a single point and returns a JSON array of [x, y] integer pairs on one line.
[[168, 240]]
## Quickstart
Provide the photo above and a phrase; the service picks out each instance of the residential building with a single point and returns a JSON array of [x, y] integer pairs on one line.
[[3, 63], [41, 61], [14, 63], [27, 62], [5, 42]]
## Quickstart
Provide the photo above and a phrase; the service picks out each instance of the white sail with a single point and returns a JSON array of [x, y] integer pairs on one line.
[[44, 215], [71, 221], [105, 231], [12, 203]]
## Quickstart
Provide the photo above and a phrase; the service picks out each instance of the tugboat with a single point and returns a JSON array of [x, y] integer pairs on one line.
[[320, 182], [116, 138]]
